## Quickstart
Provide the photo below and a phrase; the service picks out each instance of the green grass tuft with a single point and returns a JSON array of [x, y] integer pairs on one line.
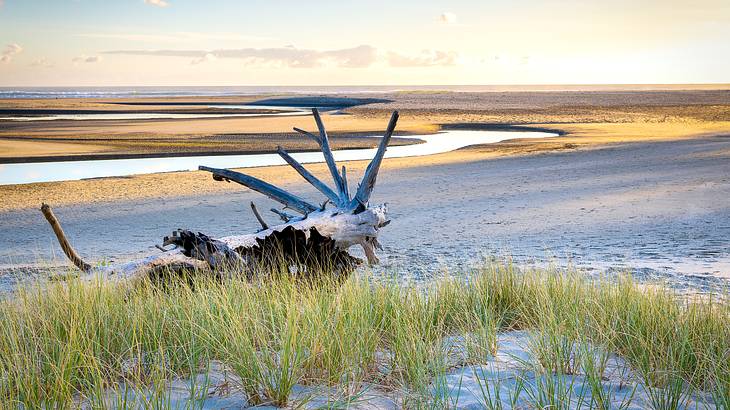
[[73, 342]]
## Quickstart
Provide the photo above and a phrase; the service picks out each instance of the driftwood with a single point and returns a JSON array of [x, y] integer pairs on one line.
[[61, 236], [315, 241]]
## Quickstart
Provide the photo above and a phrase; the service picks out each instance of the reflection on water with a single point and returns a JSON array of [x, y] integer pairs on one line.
[[73, 170]]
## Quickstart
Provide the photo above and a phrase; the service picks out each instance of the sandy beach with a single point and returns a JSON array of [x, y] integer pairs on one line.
[[637, 187], [359, 205], [674, 113], [66, 140]]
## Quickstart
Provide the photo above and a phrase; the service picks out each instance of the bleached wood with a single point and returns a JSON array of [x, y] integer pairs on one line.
[[314, 181], [371, 173], [258, 216], [310, 135], [283, 215], [350, 222], [345, 188], [345, 228], [327, 152], [277, 194], [61, 236]]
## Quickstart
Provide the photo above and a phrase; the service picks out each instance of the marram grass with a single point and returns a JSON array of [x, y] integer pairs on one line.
[[73, 342]]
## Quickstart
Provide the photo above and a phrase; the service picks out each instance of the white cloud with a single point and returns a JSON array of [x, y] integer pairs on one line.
[[292, 57], [427, 58], [355, 57], [158, 3], [131, 36], [447, 18], [9, 52], [86, 59], [203, 59], [174, 37], [41, 62]]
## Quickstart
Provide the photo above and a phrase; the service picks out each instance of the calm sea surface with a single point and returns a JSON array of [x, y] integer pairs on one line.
[[129, 92]]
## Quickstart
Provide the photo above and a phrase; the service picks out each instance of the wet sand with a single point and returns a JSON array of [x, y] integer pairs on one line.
[[645, 193], [421, 112], [576, 137]]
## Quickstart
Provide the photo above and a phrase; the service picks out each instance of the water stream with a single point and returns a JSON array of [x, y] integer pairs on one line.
[[74, 170]]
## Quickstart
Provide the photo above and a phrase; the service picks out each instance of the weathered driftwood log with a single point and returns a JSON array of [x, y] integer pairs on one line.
[[316, 241], [61, 236]]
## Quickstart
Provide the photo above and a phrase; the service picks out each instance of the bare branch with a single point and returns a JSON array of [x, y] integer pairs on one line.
[[321, 186], [345, 188], [310, 135], [371, 173], [283, 215], [256, 213], [277, 194], [327, 152], [61, 236]]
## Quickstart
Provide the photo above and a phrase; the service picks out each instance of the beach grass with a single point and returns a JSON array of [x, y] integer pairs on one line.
[[80, 342]]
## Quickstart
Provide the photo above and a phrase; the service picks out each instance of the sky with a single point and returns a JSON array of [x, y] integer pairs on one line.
[[404, 42]]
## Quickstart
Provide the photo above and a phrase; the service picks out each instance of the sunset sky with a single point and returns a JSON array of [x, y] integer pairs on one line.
[[222, 42]]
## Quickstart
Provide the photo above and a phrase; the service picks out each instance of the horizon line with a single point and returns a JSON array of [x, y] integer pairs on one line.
[[704, 84]]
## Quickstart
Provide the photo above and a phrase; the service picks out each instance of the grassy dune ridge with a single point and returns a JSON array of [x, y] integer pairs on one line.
[[71, 343]]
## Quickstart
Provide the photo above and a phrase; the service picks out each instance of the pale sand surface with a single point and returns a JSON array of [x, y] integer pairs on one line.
[[23, 148], [421, 112], [659, 209], [639, 187], [203, 127], [24, 141], [577, 137], [512, 374]]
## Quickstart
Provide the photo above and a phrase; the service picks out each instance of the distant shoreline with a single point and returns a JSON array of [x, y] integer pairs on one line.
[[24, 92]]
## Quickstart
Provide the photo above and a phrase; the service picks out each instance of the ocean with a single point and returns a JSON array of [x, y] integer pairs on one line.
[[186, 91]]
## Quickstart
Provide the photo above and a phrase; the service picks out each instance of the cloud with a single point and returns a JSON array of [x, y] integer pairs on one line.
[[447, 18], [86, 59], [361, 56], [41, 62], [158, 3], [292, 57], [355, 57], [9, 52], [175, 37], [203, 59], [427, 58]]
